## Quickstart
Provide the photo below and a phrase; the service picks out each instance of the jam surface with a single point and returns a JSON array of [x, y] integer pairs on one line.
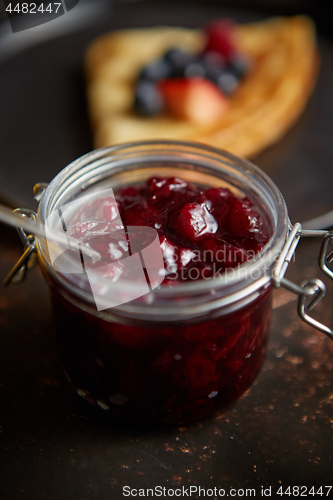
[[167, 372], [202, 232]]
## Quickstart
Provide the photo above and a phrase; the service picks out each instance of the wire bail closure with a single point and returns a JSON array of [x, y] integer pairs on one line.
[[310, 291], [28, 258]]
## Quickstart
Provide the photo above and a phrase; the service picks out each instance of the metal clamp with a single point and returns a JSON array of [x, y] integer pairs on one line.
[[28, 258], [311, 291]]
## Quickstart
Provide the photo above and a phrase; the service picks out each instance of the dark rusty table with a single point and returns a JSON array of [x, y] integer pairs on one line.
[[54, 446]]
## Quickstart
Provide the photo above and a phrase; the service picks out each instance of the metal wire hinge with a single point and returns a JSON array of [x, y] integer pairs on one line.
[[310, 292], [28, 258]]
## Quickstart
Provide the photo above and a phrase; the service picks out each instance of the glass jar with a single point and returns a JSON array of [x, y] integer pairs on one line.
[[175, 354]]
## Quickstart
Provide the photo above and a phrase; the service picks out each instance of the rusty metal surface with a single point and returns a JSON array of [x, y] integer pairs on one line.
[[53, 445]]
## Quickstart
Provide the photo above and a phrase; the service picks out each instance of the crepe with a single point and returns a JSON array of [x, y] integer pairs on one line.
[[269, 100]]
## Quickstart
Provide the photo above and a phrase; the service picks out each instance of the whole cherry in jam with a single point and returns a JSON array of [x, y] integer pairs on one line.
[[171, 191], [194, 220], [218, 201]]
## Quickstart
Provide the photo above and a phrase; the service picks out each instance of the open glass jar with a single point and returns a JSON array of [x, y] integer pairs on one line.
[[175, 354]]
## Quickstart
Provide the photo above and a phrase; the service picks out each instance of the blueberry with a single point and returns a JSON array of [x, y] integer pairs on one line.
[[227, 82], [213, 59], [214, 64], [208, 65], [240, 65], [148, 100], [195, 68], [157, 70], [178, 60]]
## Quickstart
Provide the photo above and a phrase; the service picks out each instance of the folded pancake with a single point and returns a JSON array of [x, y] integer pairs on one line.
[[267, 103]]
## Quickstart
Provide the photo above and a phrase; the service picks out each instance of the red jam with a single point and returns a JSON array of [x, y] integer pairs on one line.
[[168, 372], [202, 232]]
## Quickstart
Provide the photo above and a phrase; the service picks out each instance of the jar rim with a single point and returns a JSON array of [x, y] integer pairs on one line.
[[234, 287]]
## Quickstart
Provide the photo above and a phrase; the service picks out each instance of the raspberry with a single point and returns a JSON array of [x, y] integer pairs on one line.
[[221, 38]]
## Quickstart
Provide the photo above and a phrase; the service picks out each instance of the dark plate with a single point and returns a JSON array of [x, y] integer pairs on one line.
[[44, 125]]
